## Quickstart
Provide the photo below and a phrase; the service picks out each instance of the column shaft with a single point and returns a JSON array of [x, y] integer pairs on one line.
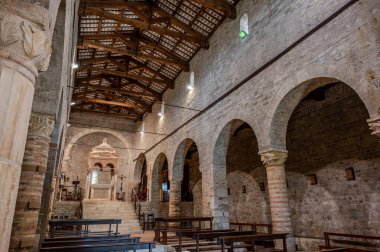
[[175, 199], [278, 195], [31, 183]]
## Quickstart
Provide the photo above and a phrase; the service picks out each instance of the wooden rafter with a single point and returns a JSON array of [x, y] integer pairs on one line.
[[134, 54], [135, 117], [112, 103], [191, 35], [127, 75], [219, 5], [117, 90]]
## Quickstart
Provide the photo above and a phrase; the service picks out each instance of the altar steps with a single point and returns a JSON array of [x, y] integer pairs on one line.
[[106, 209]]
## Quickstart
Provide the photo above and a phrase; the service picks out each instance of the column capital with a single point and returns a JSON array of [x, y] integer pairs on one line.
[[41, 125], [273, 157], [374, 125], [25, 35]]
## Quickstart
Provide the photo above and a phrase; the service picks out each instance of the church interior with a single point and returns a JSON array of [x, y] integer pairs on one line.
[[190, 125]]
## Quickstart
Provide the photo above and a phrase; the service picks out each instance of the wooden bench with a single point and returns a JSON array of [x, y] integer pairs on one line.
[[190, 233], [104, 247], [358, 243], [89, 237], [54, 224], [162, 226], [89, 242], [251, 239], [252, 226]]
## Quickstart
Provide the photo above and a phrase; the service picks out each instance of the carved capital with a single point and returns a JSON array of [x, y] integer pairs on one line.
[[41, 125], [25, 34], [374, 125], [273, 157]]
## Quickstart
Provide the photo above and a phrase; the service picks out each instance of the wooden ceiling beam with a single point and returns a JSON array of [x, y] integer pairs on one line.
[[116, 4], [149, 44], [126, 75], [133, 54], [114, 96], [112, 103], [219, 5], [117, 90], [191, 36]]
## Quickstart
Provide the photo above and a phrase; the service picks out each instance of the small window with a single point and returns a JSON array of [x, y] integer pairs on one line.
[[244, 31], [95, 177]]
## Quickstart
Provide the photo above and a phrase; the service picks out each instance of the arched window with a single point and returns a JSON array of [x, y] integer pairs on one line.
[[244, 29], [95, 177]]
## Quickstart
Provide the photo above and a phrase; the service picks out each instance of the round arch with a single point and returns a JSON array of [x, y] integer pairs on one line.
[[286, 100], [155, 185], [137, 173], [179, 159]]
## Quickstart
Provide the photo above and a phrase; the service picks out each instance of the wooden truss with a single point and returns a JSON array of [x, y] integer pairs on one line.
[[130, 52]]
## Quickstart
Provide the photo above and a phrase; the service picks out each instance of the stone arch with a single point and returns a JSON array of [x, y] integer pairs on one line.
[[288, 97], [155, 185], [179, 159], [219, 201], [140, 163]]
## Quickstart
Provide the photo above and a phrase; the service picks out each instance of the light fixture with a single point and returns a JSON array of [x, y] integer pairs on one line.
[[191, 84], [162, 109], [68, 124], [75, 65], [142, 128], [72, 103]]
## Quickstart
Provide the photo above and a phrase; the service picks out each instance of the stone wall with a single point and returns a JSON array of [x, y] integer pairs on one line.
[[324, 138], [244, 168]]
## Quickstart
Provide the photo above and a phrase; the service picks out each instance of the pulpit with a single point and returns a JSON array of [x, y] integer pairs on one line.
[[103, 166]]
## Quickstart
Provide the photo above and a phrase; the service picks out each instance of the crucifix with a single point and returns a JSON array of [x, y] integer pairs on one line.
[[121, 184]]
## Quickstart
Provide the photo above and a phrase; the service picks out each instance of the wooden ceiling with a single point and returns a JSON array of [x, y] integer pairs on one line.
[[130, 52]]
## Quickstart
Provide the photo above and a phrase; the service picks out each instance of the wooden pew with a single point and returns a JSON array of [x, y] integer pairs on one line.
[[190, 233], [252, 226], [105, 247], [54, 224], [162, 226], [90, 237], [353, 241], [251, 239], [89, 242]]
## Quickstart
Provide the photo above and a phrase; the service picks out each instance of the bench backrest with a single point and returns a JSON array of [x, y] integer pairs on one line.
[[89, 237], [89, 242], [212, 235], [102, 247]]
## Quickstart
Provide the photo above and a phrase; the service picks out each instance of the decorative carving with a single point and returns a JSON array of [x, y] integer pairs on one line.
[[372, 79], [23, 33], [374, 125], [36, 45], [8, 34], [273, 157], [41, 124]]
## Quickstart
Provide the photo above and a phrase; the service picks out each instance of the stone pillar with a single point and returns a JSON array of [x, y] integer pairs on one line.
[[374, 125], [274, 162], [25, 47], [88, 183], [31, 182], [214, 194], [175, 198]]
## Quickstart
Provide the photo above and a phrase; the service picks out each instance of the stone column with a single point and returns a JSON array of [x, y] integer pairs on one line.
[[274, 162], [175, 198], [25, 47], [31, 182], [88, 183]]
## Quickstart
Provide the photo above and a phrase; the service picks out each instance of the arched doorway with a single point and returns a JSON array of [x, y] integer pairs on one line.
[[160, 188]]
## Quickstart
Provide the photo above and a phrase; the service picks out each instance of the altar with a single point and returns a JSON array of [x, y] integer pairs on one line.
[[103, 166]]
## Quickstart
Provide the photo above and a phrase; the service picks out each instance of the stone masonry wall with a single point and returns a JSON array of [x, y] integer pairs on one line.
[[325, 138], [244, 168]]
